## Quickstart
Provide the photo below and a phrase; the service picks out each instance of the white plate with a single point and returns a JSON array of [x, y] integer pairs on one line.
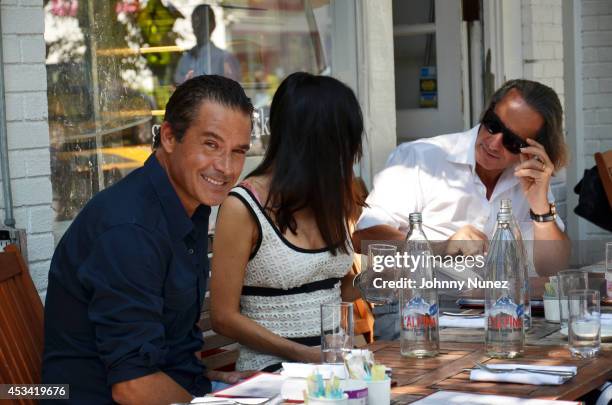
[[606, 332]]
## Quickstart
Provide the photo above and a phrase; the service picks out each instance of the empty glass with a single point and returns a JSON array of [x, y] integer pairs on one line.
[[336, 331], [584, 323], [380, 268], [569, 280]]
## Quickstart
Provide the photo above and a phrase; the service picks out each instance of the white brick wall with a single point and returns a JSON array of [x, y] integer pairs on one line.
[[543, 42], [543, 61], [597, 85], [28, 132]]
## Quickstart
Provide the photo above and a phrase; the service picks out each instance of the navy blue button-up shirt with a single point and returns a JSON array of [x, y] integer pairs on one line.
[[126, 286]]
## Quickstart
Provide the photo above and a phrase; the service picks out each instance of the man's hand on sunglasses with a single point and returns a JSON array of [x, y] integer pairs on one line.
[[534, 173]]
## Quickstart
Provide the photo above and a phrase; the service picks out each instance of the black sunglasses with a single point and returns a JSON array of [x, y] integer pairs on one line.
[[511, 141]]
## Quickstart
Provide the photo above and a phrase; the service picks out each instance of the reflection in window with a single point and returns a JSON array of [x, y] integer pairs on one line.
[[205, 57], [112, 65]]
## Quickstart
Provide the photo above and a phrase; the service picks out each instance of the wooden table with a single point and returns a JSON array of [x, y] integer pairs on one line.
[[417, 378], [541, 333]]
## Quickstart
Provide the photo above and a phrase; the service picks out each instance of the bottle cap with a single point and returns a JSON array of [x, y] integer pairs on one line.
[[504, 216], [415, 217]]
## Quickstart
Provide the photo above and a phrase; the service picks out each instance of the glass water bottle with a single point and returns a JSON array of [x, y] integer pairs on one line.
[[419, 305], [504, 293], [525, 264]]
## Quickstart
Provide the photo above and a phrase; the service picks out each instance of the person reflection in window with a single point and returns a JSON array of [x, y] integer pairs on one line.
[[205, 58]]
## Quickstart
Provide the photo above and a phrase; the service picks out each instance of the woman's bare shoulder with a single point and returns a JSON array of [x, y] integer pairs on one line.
[[259, 186]]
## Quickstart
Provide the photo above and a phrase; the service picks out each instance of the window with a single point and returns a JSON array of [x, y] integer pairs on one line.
[[112, 65], [415, 54]]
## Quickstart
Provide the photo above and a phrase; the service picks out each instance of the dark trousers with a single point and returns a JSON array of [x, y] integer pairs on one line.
[[386, 322]]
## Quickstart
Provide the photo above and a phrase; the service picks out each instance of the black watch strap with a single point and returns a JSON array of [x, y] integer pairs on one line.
[[550, 216]]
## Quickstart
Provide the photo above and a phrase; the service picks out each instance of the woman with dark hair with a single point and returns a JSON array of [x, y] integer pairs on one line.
[[282, 246]]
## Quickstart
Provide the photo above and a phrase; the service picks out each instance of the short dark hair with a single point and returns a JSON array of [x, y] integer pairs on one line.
[[316, 129], [187, 98], [545, 101]]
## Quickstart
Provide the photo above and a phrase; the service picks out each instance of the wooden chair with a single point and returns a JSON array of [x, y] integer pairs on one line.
[[362, 313], [21, 323], [604, 167], [362, 310]]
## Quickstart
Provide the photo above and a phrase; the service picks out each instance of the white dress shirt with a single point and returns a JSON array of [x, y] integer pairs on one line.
[[437, 177]]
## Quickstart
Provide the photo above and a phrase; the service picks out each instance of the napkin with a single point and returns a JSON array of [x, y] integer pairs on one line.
[[522, 377], [462, 322], [465, 398], [303, 370]]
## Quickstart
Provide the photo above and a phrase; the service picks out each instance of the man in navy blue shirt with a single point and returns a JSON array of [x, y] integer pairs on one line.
[[128, 278]]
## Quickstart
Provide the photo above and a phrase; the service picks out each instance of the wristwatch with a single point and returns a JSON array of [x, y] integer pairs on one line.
[[551, 215]]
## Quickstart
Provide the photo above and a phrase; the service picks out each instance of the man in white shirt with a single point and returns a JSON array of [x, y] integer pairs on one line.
[[458, 180]]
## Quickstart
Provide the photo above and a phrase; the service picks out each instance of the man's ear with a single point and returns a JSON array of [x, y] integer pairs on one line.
[[167, 138]]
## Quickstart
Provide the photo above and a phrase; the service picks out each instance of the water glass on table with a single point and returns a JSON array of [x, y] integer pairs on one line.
[[336, 331], [380, 267], [584, 323], [569, 280]]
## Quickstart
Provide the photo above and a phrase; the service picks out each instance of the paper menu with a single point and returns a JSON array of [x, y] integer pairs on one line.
[[261, 385], [463, 398]]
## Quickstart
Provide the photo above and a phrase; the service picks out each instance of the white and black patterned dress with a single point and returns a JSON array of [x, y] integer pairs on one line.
[[285, 285]]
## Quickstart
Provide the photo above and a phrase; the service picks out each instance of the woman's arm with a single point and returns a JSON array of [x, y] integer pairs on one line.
[[349, 292], [235, 235]]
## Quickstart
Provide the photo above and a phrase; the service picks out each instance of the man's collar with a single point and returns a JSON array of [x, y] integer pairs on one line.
[[464, 150], [200, 218], [179, 224], [506, 181]]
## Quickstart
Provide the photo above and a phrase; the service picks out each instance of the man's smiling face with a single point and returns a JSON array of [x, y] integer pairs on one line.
[[206, 163]]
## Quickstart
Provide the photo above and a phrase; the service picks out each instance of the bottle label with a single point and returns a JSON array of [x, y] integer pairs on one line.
[[505, 314], [417, 313], [520, 310], [504, 322], [419, 321]]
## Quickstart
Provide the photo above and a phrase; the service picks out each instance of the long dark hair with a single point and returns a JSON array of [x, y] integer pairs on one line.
[[545, 101], [316, 128]]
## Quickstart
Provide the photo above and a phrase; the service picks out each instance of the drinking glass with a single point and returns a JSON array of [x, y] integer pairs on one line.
[[336, 331], [380, 268], [584, 323], [609, 269], [569, 280]]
